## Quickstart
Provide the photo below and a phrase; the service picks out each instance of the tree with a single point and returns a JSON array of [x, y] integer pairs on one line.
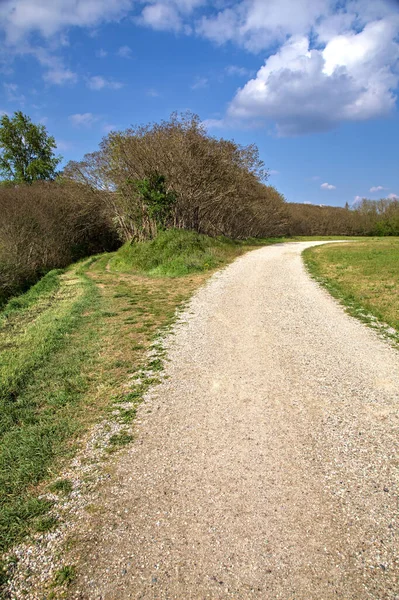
[[26, 150]]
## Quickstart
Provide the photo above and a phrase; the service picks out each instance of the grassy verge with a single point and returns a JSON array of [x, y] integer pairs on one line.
[[178, 253], [68, 347], [364, 276]]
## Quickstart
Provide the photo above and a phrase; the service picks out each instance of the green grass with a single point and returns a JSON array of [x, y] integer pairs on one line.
[[363, 275], [67, 348], [175, 253], [41, 383], [65, 576]]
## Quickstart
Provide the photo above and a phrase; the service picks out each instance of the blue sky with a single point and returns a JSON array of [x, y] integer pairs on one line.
[[312, 82]]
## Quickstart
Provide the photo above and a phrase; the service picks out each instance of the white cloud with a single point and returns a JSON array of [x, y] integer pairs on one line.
[[357, 199], [60, 76], [83, 120], [200, 83], [327, 186], [125, 52], [153, 93], [162, 17], [169, 15], [377, 188], [101, 53], [256, 24], [332, 61], [22, 21], [306, 90], [393, 197], [97, 82], [57, 73], [20, 18], [274, 172]]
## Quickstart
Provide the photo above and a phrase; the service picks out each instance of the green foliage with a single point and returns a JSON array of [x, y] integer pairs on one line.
[[156, 198], [65, 576], [378, 217], [27, 150]]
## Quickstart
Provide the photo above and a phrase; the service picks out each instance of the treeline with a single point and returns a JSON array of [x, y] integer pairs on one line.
[[367, 218], [152, 178]]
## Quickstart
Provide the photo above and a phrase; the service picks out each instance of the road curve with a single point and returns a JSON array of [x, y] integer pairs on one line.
[[266, 465]]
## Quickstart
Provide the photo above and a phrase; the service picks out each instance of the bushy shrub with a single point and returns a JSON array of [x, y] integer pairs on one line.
[[45, 226], [217, 185]]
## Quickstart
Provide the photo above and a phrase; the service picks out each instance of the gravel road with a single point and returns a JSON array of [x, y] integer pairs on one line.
[[266, 465]]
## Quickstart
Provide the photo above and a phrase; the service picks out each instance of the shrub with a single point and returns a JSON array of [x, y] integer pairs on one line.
[[216, 185], [45, 226]]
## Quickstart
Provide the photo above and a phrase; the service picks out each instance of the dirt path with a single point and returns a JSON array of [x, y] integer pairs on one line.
[[266, 466]]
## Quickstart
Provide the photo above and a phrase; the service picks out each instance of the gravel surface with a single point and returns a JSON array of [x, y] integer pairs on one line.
[[265, 466]]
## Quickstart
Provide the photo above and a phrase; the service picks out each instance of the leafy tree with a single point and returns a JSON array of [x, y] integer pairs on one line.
[[26, 150]]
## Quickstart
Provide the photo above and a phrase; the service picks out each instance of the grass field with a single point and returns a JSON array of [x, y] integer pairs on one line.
[[364, 275], [67, 348]]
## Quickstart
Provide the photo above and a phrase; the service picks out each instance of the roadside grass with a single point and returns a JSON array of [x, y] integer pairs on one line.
[[68, 349], [322, 238], [176, 253], [364, 276]]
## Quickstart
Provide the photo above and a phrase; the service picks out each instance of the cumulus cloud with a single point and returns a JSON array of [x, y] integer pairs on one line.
[[97, 82], [327, 186], [324, 62], [83, 119], [162, 17], [256, 24], [20, 18], [393, 197], [357, 199], [377, 188], [305, 90], [169, 15]]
